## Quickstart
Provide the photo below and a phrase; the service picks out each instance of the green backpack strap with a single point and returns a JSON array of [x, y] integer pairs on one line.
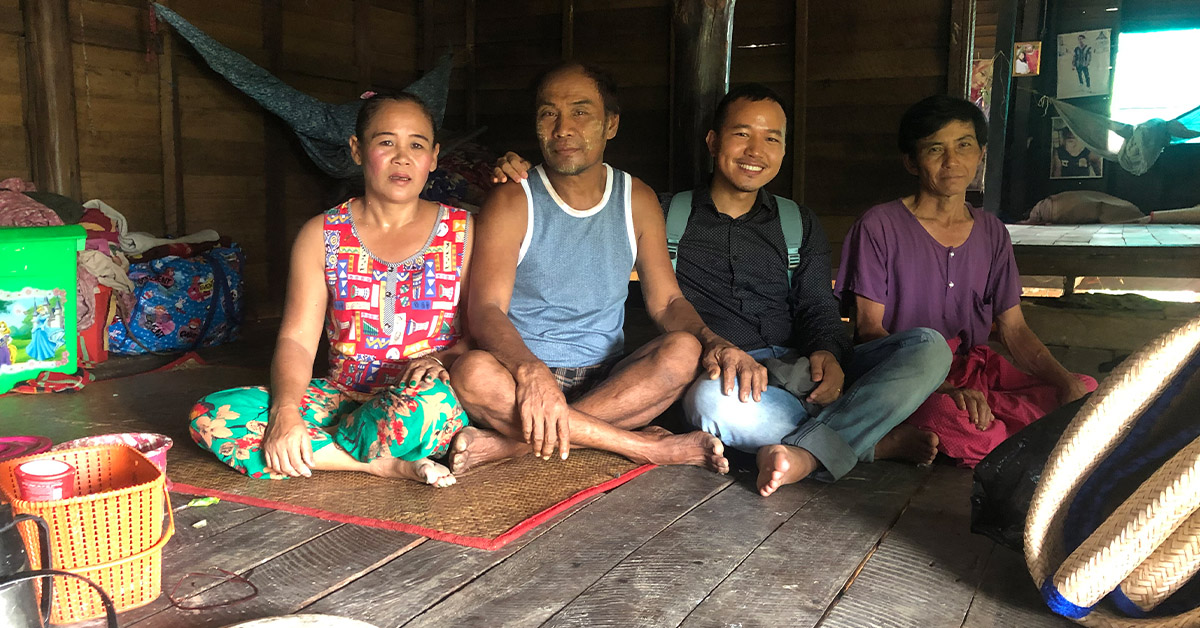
[[793, 230], [677, 220]]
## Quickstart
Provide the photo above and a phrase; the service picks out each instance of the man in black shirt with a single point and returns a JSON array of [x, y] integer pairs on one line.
[[732, 265]]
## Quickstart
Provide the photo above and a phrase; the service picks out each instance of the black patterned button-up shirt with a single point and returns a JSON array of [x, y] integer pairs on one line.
[[734, 271]]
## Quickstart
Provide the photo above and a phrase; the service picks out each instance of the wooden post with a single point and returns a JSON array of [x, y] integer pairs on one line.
[[362, 44], [800, 101], [962, 45], [1020, 165], [275, 145], [472, 90], [50, 106], [174, 217], [568, 29], [1006, 27], [702, 40]]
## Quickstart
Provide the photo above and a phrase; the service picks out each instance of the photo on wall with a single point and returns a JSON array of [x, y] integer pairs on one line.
[[1069, 158], [1083, 63], [1027, 58]]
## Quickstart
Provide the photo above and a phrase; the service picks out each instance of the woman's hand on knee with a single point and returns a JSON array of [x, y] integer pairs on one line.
[[286, 445], [424, 370]]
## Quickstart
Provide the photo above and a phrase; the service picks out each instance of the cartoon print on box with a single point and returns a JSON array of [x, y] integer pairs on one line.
[[32, 330]]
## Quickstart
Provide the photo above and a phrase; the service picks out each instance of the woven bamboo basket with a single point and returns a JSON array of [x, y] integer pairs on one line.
[[111, 533], [1150, 545]]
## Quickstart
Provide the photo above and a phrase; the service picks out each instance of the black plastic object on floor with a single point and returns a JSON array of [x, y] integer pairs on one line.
[[1006, 478]]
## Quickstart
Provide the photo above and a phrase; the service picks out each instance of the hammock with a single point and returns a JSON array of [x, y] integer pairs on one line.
[[1143, 143], [323, 128]]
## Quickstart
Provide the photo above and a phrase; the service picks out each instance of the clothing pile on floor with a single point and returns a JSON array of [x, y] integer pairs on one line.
[[111, 255]]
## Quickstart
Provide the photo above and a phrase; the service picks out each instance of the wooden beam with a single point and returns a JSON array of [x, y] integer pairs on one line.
[[426, 55], [702, 37], [800, 101], [275, 143], [568, 29], [50, 105], [962, 47], [472, 89], [362, 44], [1006, 28], [1020, 166], [174, 216]]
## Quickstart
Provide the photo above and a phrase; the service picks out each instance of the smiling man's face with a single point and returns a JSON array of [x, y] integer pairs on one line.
[[749, 147]]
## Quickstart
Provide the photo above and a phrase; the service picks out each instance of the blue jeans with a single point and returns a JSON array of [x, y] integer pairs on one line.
[[886, 380]]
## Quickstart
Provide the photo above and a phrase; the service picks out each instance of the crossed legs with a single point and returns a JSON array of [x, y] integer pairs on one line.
[[611, 417]]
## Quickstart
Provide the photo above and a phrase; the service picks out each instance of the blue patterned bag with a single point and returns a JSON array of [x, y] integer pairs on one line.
[[182, 303]]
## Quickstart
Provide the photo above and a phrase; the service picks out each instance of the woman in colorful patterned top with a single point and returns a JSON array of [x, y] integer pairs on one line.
[[383, 275]]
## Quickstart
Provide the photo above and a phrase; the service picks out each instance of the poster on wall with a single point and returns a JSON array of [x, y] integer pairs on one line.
[[1069, 158], [1083, 59], [980, 93], [1027, 58]]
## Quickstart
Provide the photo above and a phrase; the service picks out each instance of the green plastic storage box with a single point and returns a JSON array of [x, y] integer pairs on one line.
[[37, 301]]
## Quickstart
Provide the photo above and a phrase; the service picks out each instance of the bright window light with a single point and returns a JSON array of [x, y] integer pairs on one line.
[[1155, 75]]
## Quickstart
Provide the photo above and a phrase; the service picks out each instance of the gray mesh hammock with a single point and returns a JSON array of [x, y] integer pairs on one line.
[[322, 127]]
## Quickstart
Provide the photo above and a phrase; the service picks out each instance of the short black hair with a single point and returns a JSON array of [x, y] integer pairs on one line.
[[603, 80], [754, 92], [931, 114], [376, 100]]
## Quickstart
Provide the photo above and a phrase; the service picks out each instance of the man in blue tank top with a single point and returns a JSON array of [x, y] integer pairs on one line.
[[546, 301], [733, 265]]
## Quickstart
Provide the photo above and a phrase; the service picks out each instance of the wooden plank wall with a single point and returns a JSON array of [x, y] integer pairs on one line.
[[987, 13], [175, 148], [14, 144], [764, 51], [863, 72]]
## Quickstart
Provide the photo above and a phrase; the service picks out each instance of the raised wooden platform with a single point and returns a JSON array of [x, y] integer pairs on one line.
[[1107, 250]]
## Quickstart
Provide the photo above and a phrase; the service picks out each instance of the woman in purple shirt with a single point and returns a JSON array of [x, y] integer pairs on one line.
[[932, 260]]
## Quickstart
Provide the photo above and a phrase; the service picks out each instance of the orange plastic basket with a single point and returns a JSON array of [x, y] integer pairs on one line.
[[111, 532]]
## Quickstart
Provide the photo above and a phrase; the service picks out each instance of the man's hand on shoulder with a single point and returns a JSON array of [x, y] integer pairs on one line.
[[545, 415], [735, 368], [511, 167], [825, 370]]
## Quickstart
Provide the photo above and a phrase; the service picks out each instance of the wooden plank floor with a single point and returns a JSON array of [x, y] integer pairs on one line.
[[887, 546]]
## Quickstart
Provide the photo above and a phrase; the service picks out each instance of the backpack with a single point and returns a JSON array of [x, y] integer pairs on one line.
[[789, 218]]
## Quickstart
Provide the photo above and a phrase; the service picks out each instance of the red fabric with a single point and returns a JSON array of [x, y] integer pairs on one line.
[[102, 234], [381, 315], [1015, 398], [50, 382]]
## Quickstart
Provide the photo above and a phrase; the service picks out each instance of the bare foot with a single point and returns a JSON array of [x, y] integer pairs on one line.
[[473, 447], [907, 443], [700, 449], [783, 464], [424, 470]]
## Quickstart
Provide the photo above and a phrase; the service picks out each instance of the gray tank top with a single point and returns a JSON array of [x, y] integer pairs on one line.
[[568, 300]]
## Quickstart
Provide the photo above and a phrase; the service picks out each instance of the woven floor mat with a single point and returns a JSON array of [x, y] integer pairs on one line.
[[486, 509]]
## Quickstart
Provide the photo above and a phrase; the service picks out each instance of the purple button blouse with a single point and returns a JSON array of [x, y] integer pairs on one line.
[[889, 258]]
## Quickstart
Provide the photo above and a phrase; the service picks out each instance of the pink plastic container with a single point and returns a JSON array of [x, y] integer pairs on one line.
[[153, 446], [45, 480]]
